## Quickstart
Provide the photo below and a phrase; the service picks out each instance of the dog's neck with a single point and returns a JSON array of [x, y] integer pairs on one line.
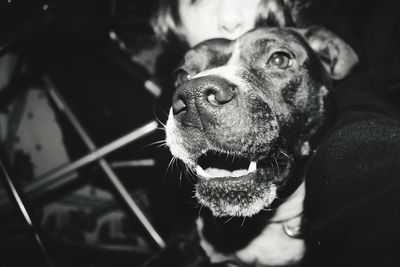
[[292, 207], [268, 245]]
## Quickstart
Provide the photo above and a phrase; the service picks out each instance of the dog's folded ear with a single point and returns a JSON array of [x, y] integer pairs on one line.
[[337, 56]]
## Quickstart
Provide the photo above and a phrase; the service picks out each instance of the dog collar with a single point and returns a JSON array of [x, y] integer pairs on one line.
[[293, 227], [290, 213]]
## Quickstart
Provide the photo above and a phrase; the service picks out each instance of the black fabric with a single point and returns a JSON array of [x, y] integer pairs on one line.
[[353, 184]]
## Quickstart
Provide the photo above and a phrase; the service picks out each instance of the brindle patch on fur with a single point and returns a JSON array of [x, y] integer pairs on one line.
[[289, 91], [207, 57]]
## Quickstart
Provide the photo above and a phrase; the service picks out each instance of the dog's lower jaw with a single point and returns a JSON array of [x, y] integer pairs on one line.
[[243, 196], [237, 205]]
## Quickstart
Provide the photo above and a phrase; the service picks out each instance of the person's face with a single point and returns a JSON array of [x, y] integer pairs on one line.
[[206, 19]]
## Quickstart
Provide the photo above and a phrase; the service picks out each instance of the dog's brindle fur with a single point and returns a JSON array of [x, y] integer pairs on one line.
[[263, 98]]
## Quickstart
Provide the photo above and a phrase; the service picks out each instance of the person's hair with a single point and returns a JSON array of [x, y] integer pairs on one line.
[[166, 22]]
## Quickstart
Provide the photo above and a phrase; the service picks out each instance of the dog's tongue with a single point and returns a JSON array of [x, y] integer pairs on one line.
[[217, 172], [214, 172]]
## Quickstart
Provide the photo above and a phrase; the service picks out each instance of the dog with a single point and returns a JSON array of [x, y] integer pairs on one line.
[[246, 117]]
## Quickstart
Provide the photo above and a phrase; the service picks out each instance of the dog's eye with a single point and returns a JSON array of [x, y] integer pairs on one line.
[[181, 76], [281, 60]]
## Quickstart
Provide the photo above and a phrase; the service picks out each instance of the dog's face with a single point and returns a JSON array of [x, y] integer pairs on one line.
[[246, 111]]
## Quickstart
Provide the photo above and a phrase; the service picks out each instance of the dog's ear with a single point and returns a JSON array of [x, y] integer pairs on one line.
[[337, 56]]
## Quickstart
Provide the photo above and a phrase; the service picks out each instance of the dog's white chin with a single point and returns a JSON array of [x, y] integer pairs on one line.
[[222, 207]]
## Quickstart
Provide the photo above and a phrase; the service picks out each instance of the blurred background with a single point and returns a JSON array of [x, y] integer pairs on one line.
[[84, 90], [78, 78]]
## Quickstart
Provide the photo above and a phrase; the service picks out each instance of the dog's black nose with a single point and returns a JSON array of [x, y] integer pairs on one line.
[[207, 93]]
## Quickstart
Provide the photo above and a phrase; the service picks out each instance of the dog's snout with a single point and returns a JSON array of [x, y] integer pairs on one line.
[[219, 93], [205, 93]]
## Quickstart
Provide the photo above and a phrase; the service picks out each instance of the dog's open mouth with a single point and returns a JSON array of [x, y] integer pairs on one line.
[[217, 164], [231, 185], [214, 164]]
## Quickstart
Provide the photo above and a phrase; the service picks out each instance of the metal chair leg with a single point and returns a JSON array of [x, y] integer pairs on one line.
[[98, 155], [16, 197]]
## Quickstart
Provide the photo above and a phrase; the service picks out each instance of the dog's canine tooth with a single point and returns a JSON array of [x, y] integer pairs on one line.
[[201, 172], [252, 167]]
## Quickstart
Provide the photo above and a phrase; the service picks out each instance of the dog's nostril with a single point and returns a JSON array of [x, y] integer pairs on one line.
[[220, 96], [211, 98], [178, 106]]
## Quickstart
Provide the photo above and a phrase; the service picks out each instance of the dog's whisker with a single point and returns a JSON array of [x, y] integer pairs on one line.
[[158, 119], [169, 167], [171, 162], [162, 124], [180, 178], [244, 219], [233, 158], [174, 163], [177, 163], [158, 108], [187, 170], [286, 155], [268, 209], [157, 142], [191, 174], [162, 146], [277, 165], [271, 164], [214, 152], [153, 144], [229, 219], [200, 209]]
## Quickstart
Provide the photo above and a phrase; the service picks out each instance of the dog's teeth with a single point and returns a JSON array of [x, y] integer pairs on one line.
[[252, 167], [201, 172], [215, 172]]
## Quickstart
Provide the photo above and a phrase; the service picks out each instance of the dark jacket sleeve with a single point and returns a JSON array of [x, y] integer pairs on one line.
[[352, 203]]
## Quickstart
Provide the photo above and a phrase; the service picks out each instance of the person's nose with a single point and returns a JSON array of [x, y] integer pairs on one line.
[[231, 19]]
